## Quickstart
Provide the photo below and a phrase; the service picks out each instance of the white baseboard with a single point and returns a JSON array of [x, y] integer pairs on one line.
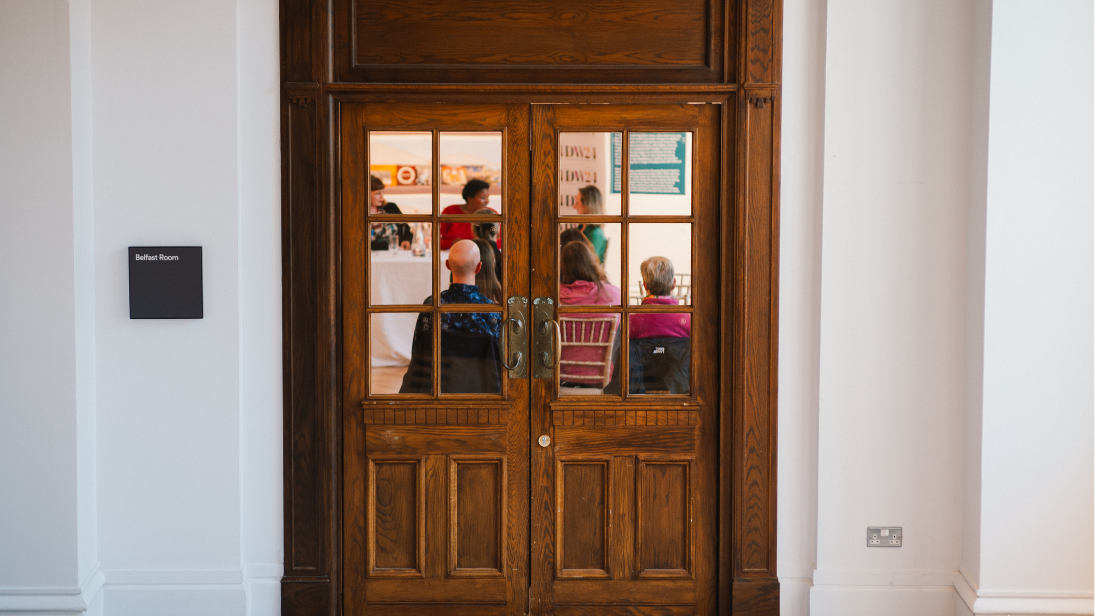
[[263, 596], [794, 596], [878, 600], [174, 600], [870, 592], [1021, 603], [52, 601], [174, 592]]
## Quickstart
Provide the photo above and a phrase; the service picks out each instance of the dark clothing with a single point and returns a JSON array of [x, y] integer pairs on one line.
[[470, 349], [379, 232], [659, 364]]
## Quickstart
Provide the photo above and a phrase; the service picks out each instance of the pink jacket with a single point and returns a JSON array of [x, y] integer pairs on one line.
[[677, 325], [585, 293]]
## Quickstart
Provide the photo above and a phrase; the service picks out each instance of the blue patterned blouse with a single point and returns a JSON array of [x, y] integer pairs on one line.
[[463, 322]]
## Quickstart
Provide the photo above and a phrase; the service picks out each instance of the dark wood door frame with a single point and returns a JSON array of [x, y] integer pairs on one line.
[[740, 72]]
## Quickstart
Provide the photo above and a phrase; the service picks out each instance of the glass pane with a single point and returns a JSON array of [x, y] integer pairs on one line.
[[471, 353], [393, 340], [586, 162], [584, 279], [666, 251], [659, 353], [589, 360], [660, 174], [471, 180], [402, 163], [400, 267]]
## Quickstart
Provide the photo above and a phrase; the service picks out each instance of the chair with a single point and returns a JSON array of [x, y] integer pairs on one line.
[[586, 354], [683, 290]]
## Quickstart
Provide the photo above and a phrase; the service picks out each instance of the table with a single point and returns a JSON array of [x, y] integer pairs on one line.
[[398, 277]]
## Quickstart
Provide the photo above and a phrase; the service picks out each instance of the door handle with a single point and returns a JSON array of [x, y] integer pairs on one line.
[[515, 346], [546, 347], [550, 358]]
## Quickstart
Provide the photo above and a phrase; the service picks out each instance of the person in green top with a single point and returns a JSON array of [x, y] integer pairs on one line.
[[589, 202]]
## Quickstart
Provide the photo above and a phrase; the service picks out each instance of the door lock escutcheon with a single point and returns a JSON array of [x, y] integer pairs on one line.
[[545, 333], [515, 338]]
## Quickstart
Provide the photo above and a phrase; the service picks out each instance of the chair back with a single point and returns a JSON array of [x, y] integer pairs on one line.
[[586, 356]]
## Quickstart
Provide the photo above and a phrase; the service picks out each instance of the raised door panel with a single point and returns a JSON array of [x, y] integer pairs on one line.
[[453, 41], [477, 489], [396, 517], [583, 488]]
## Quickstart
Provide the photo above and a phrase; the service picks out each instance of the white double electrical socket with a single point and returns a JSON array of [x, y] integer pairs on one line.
[[883, 536]]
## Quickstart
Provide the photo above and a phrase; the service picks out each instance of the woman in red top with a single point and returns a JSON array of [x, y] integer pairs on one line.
[[476, 195]]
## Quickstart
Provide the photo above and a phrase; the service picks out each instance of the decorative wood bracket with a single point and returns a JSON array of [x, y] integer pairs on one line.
[[759, 101], [300, 101]]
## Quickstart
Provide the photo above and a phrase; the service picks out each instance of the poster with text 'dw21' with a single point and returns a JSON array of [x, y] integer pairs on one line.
[[583, 161]]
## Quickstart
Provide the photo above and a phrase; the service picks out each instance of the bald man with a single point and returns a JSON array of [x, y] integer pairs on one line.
[[469, 340], [464, 263]]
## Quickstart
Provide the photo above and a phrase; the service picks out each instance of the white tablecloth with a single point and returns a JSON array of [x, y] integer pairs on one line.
[[397, 277]]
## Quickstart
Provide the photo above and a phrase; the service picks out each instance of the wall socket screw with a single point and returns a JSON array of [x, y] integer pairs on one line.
[[883, 536]]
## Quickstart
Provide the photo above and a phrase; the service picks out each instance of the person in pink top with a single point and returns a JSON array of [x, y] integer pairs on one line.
[[582, 282], [659, 353]]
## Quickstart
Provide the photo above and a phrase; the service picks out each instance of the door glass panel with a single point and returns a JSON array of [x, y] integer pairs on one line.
[[659, 352], [583, 279], [666, 251], [400, 263], [589, 356], [392, 338], [660, 174], [471, 172], [402, 162], [471, 353], [587, 162]]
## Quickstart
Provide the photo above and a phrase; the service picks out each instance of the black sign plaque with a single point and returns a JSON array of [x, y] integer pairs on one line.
[[165, 282]]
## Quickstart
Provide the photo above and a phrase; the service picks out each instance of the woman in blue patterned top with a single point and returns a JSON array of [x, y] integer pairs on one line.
[[470, 358]]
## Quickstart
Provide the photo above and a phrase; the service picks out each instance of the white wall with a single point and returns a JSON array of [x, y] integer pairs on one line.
[[1034, 549], [189, 411], [261, 503], [802, 141], [48, 559], [955, 278], [892, 304]]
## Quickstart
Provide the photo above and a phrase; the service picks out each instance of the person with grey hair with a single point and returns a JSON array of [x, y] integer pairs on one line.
[[590, 203], [658, 354]]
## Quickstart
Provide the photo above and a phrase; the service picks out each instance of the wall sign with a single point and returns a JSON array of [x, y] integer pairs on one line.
[[165, 282], [657, 163]]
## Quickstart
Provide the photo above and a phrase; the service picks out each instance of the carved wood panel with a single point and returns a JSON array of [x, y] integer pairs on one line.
[[454, 41]]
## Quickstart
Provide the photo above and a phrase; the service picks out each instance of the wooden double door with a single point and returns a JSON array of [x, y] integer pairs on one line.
[[549, 445]]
